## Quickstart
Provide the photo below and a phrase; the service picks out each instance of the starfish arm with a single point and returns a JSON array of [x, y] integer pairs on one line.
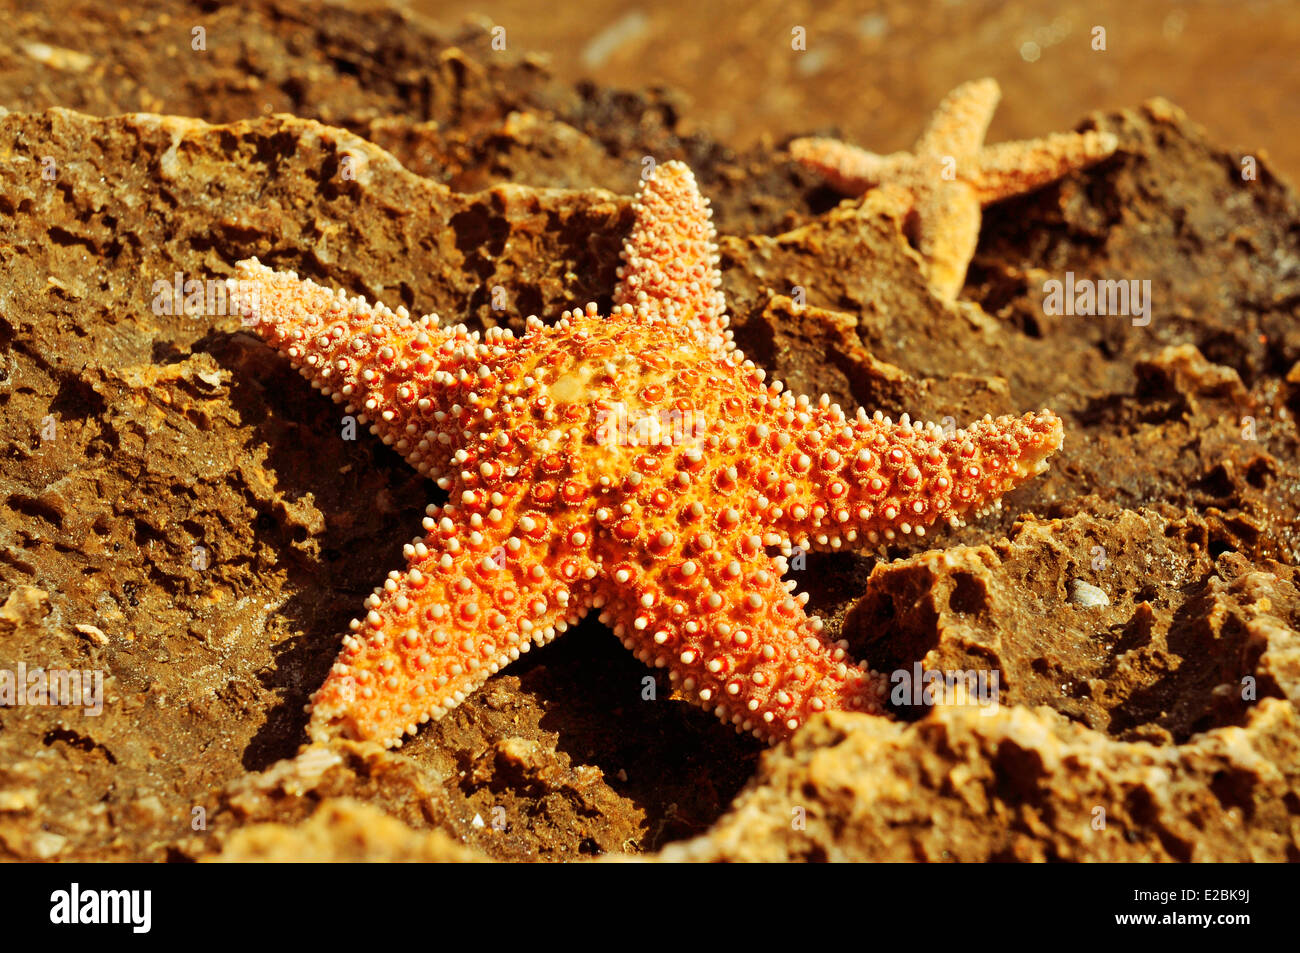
[[382, 365], [961, 120], [710, 606], [848, 169], [1013, 168], [670, 260], [841, 482], [480, 587], [947, 231]]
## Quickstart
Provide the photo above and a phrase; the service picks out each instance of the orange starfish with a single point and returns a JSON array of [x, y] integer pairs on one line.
[[950, 175], [634, 464]]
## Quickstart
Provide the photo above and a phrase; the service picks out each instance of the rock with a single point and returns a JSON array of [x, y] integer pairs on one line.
[[1144, 665], [342, 831], [1016, 784]]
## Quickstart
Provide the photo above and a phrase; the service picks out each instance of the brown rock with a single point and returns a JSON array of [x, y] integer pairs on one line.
[[342, 831], [1016, 784]]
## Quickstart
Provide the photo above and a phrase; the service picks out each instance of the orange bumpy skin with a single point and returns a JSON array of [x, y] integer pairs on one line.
[[634, 464]]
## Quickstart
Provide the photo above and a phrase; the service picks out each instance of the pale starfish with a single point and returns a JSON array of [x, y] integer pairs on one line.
[[633, 464], [950, 175]]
